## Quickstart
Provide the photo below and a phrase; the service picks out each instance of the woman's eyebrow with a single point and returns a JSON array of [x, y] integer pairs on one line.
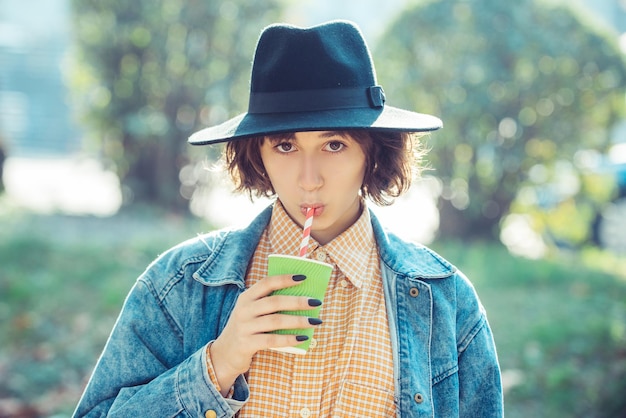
[[290, 136]]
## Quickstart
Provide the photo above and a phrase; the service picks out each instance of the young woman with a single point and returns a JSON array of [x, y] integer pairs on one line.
[[401, 331]]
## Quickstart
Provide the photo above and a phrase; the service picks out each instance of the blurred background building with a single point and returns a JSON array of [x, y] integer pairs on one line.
[[35, 116]]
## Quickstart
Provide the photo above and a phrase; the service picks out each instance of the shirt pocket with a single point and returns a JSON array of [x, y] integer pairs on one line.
[[356, 400]]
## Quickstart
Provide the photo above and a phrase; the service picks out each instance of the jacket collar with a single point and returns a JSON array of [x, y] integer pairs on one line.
[[231, 251], [408, 258]]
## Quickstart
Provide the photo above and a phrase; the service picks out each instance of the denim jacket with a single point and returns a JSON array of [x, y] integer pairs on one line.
[[153, 364]]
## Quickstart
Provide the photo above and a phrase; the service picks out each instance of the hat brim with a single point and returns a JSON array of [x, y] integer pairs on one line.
[[251, 124]]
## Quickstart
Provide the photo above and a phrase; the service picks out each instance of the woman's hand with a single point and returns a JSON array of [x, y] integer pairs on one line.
[[255, 315]]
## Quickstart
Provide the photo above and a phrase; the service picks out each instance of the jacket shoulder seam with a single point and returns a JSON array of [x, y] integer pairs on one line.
[[166, 312], [467, 340]]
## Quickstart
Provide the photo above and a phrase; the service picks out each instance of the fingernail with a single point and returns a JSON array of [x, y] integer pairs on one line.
[[302, 337], [315, 302], [315, 321], [298, 277]]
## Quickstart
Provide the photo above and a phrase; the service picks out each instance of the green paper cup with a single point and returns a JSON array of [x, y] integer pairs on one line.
[[317, 276]]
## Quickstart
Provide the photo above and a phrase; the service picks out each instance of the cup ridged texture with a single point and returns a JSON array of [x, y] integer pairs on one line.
[[318, 275]]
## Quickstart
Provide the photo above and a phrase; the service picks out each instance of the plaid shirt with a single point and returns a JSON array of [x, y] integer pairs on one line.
[[348, 370]]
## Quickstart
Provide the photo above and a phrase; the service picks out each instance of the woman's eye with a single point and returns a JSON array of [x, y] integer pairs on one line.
[[284, 147], [335, 146]]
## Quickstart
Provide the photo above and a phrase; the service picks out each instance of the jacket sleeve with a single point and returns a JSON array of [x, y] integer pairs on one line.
[[142, 372], [480, 386]]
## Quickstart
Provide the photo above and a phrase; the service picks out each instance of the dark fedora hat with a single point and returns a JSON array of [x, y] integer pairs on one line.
[[313, 79]]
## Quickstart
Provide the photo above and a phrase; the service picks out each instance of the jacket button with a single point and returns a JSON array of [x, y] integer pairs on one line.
[[414, 292], [418, 398], [210, 414]]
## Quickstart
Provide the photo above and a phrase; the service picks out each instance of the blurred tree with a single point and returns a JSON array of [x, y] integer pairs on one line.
[[149, 72], [519, 86]]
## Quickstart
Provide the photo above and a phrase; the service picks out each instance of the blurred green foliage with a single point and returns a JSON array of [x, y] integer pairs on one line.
[[521, 87], [149, 72]]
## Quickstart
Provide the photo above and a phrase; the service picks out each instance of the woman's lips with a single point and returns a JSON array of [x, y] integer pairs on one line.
[[317, 209]]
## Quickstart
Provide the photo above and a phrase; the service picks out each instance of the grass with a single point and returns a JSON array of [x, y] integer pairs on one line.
[[560, 324]]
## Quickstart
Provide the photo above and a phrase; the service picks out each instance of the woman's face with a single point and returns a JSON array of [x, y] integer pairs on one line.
[[323, 170]]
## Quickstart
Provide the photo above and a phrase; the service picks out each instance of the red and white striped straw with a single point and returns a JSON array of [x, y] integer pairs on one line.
[[306, 232]]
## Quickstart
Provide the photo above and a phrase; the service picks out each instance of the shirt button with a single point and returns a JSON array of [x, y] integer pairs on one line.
[[343, 283], [210, 414], [305, 412], [313, 343], [321, 256], [418, 398], [414, 292]]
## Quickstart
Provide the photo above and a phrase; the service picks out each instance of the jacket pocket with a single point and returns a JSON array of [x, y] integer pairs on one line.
[[356, 400]]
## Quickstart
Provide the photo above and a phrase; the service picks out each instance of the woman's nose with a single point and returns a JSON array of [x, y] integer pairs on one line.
[[310, 174]]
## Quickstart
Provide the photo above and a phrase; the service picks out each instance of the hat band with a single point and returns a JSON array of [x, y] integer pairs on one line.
[[314, 100]]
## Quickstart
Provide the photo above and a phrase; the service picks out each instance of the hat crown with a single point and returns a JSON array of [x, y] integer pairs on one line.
[[329, 56]]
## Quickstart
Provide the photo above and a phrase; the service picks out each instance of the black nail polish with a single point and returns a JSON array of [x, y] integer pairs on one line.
[[298, 277], [315, 302], [315, 321], [302, 337]]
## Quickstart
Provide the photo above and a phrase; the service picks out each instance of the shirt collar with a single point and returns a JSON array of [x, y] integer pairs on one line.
[[351, 251]]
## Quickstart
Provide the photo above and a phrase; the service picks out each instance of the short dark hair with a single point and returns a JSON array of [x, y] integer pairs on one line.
[[392, 160]]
